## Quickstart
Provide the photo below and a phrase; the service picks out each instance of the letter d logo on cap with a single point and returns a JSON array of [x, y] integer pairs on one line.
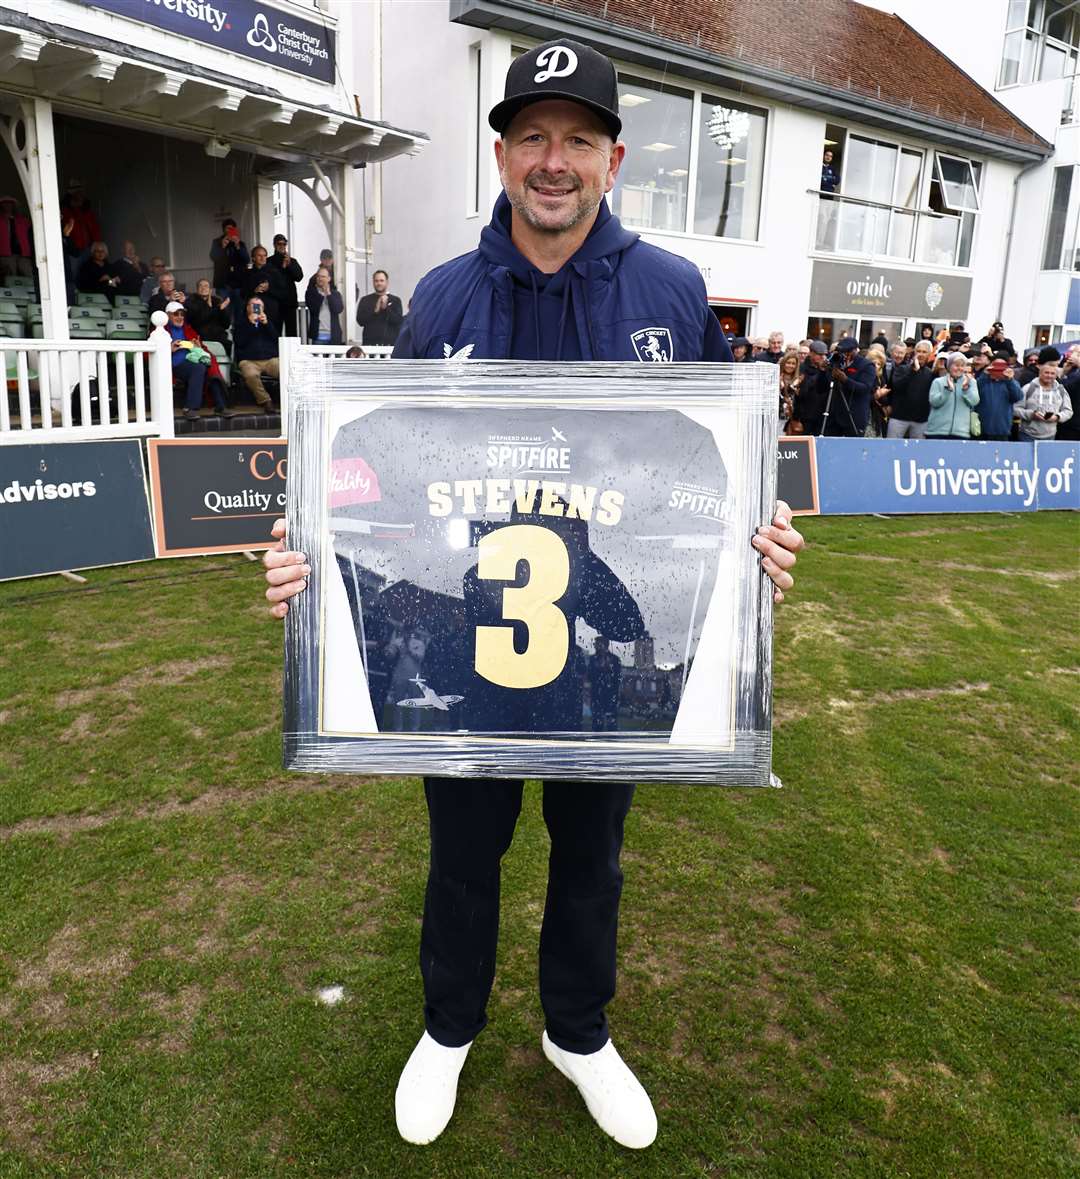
[[551, 63]]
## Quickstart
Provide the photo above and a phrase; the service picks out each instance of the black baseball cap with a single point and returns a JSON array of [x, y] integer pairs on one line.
[[560, 69], [848, 344]]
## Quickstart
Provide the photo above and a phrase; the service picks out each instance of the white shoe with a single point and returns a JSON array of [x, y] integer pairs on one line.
[[427, 1090], [614, 1096]]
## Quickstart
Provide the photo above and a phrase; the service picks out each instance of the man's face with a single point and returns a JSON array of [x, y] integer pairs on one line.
[[327, 260], [157, 265], [322, 274], [924, 351], [817, 359], [899, 352], [556, 161], [738, 351], [281, 247], [1048, 373], [202, 289], [99, 254], [979, 361], [804, 352], [380, 283], [827, 158], [1073, 355], [776, 342], [167, 284], [258, 257], [176, 318]]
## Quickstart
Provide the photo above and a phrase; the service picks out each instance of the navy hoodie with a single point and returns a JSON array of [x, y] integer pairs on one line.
[[617, 298]]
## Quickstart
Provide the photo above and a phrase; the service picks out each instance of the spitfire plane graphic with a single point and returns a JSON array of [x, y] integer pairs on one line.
[[429, 699], [557, 435]]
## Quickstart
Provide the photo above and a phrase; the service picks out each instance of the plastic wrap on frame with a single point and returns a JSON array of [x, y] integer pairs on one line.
[[322, 387]]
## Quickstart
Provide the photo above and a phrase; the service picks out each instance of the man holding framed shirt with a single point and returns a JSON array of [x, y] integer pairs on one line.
[[555, 277]]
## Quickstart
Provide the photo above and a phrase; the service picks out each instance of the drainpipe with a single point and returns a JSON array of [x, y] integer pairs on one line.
[[1009, 236]]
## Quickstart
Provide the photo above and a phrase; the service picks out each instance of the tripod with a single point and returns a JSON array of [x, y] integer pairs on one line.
[[828, 408]]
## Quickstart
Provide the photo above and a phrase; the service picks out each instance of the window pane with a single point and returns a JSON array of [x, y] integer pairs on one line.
[[831, 331], [650, 192], [937, 240], [1017, 9], [1027, 57], [957, 184], [907, 181], [1010, 59], [731, 158], [869, 169], [901, 234], [1059, 210], [1053, 62]]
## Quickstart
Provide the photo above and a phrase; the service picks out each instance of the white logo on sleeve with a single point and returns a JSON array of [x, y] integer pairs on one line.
[[555, 62], [653, 344], [460, 354], [259, 36]]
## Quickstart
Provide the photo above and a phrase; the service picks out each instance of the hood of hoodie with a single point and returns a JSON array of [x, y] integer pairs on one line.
[[551, 313]]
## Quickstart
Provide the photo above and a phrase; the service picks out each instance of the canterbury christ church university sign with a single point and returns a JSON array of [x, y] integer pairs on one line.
[[248, 27], [919, 294]]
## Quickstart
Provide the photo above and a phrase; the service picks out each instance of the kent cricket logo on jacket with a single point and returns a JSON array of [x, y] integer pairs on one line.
[[487, 553]]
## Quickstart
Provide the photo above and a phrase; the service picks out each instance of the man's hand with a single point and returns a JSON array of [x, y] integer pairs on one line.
[[180, 296], [381, 303], [839, 375], [286, 572], [224, 303], [778, 544]]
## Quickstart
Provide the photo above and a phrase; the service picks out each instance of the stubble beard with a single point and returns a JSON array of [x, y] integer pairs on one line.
[[583, 208]]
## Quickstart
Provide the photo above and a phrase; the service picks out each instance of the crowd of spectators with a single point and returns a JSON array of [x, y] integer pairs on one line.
[[946, 386]]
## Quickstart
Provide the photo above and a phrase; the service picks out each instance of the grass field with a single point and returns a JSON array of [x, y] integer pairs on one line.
[[872, 972]]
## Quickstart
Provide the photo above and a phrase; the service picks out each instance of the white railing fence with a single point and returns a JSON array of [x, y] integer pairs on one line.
[[291, 347], [76, 390]]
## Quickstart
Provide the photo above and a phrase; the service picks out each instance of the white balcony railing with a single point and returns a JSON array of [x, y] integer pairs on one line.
[[76, 390], [869, 229]]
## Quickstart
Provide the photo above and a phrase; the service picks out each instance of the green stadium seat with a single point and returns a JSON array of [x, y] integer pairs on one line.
[[37, 331], [129, 301], [136, 314], [102, 313], [83, 329], [9, 307], [20, 295], [125, 329], [92, 300], [19, 280]]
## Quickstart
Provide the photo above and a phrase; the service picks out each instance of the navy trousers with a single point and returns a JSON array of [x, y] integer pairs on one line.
[[472, 825]]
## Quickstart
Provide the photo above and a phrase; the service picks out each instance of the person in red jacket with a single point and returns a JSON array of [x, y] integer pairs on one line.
[[78, 219], [16, 243], [195, 375]]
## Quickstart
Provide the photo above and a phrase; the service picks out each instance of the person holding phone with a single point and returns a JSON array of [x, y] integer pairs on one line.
[[230, 258], [256, 339]]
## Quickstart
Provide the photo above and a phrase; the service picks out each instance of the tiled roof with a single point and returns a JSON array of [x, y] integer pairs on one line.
[[840, 45]]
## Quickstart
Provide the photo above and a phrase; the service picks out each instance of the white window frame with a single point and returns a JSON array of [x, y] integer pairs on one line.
[[473, 178], [938, 157], [626, 72]]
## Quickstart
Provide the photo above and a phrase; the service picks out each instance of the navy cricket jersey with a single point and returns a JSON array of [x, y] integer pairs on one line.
[[484, 552]]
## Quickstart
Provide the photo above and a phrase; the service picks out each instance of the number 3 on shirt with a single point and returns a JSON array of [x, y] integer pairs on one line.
[[533, 603]]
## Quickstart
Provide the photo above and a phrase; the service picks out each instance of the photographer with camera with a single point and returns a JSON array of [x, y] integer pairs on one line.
[[256, 340], [854, 379]]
